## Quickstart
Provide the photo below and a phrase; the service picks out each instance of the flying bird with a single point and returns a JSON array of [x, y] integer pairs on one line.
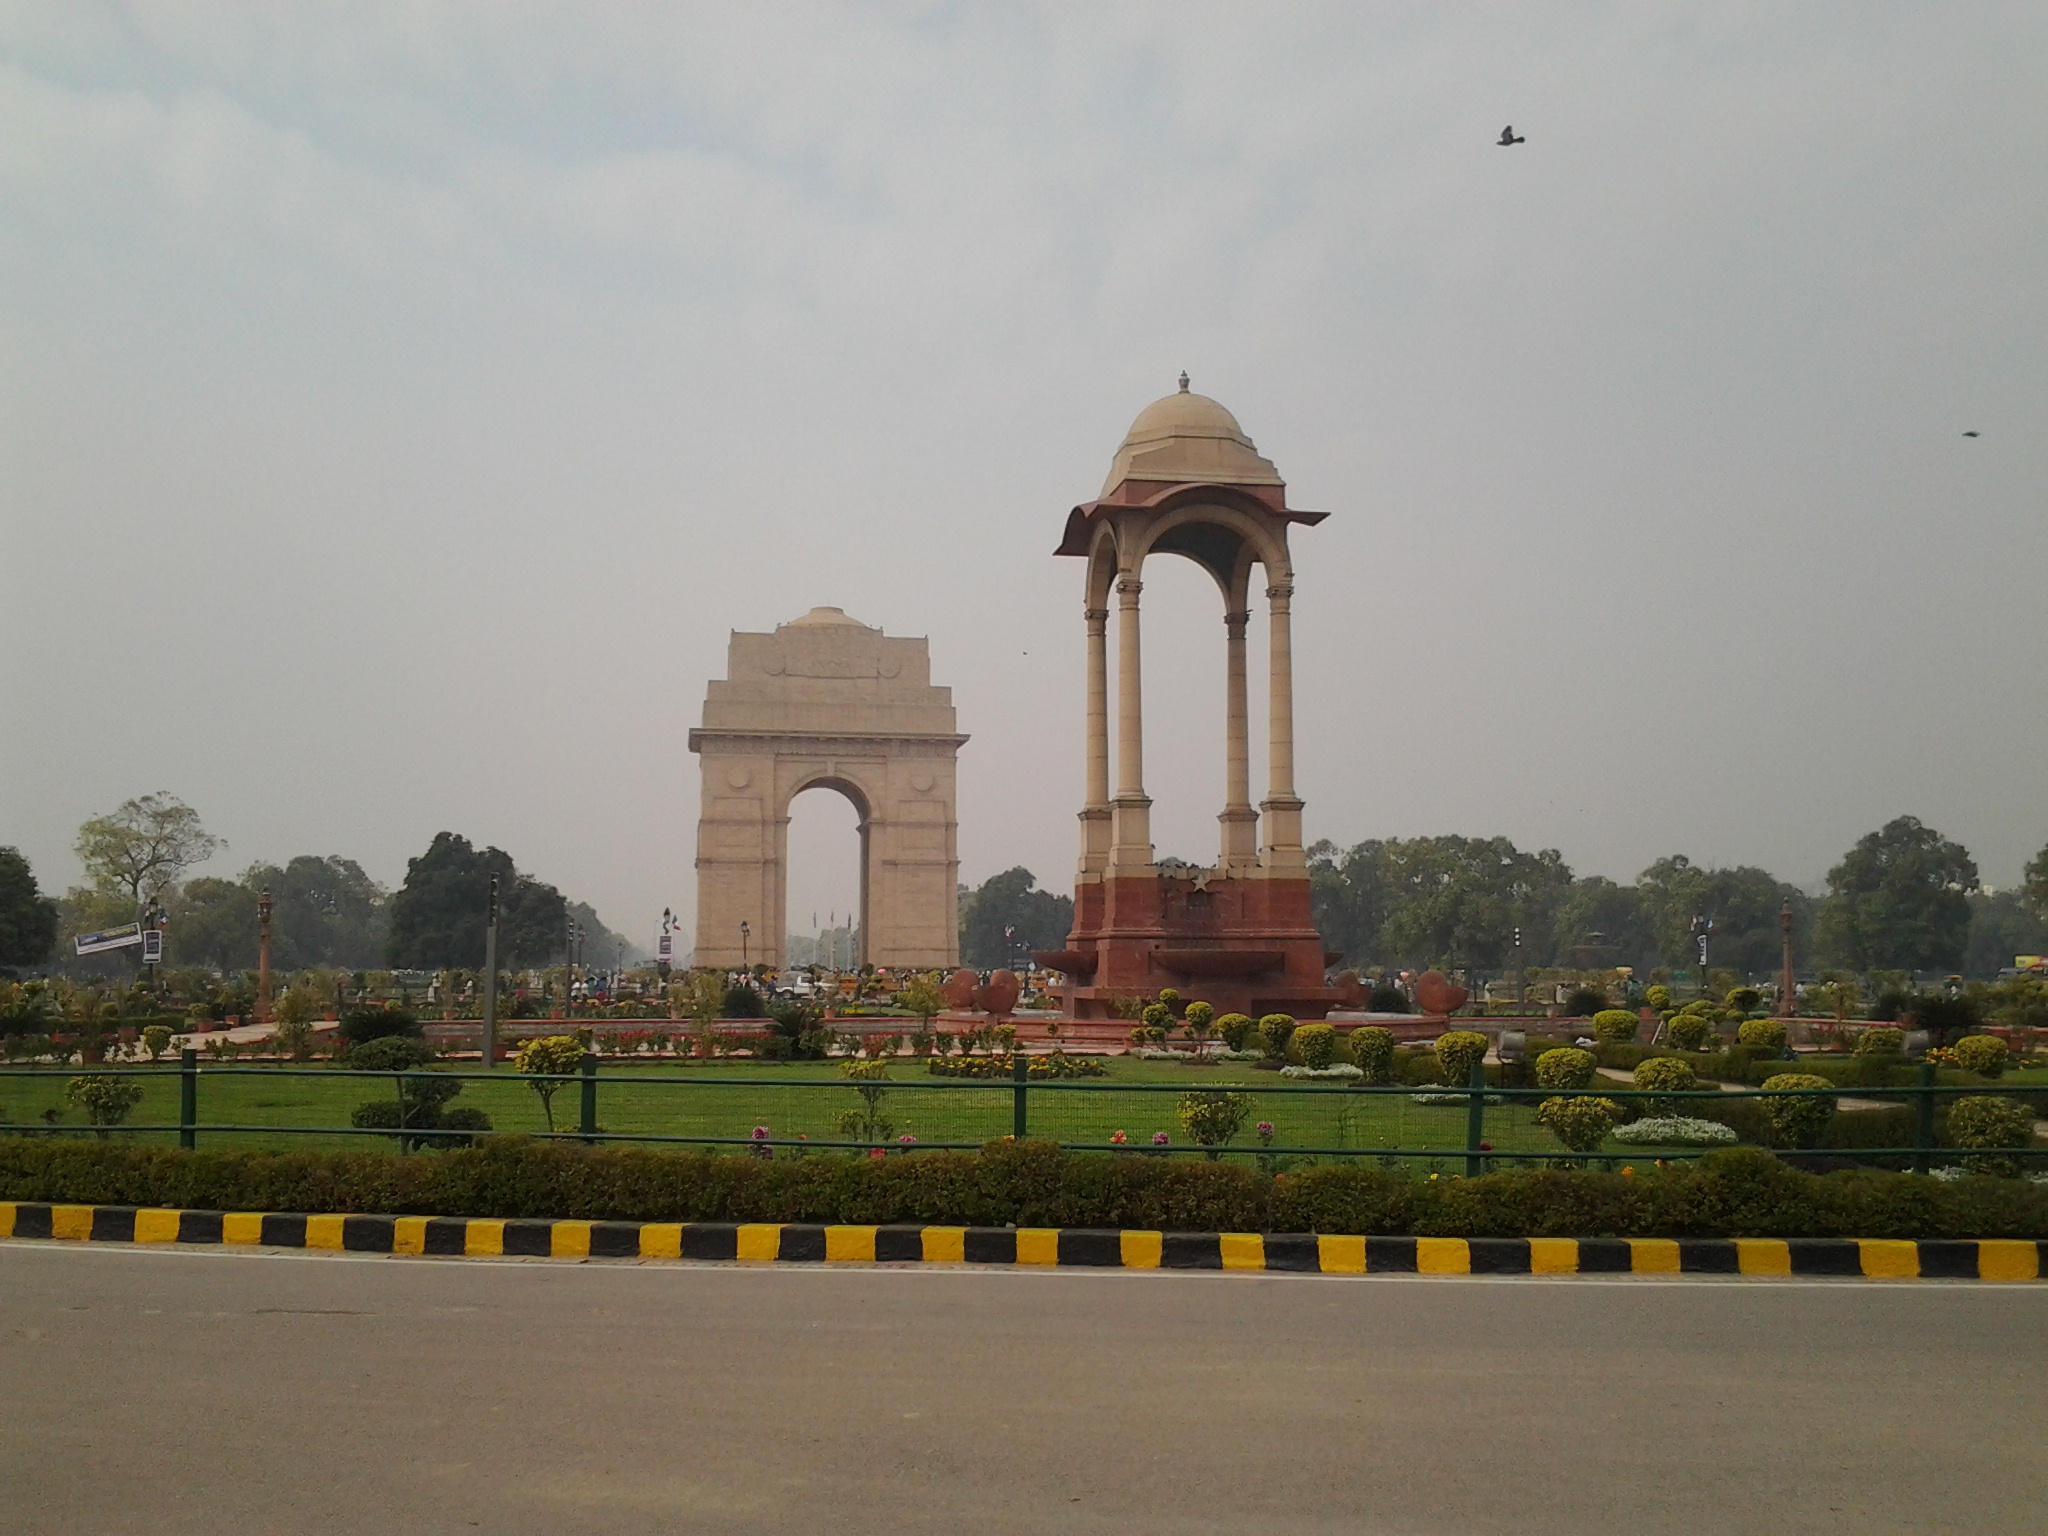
[[1973, 434], [1509, 136]]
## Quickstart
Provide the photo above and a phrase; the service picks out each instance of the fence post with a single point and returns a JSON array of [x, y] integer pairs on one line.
[[1020, 1074], [1923, 1121], [188, 1098], [586, 1119], [1475, 1121]]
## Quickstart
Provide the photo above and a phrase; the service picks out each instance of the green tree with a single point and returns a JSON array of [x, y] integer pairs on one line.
[[2001, 927], [2037, 884], [1599, 925], [213, 923], [325, 912], [437, 918], [28, 919], [551, 1056], [1899, 900], [1040, 920], [1743, 903], [1437, 900], [143, 848]]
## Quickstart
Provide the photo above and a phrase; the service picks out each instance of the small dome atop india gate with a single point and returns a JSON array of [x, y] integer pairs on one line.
[[1185, 437]]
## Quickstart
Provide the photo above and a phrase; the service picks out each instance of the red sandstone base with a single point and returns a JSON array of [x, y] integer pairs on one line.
[[1242, 946]]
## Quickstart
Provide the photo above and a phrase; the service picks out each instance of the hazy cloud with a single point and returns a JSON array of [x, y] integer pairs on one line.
[[401, 404]]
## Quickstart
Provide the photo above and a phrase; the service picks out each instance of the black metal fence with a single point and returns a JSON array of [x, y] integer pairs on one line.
[[1499, 1125]]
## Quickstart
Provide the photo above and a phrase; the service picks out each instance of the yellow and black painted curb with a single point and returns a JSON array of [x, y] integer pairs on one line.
[[803, 1243]]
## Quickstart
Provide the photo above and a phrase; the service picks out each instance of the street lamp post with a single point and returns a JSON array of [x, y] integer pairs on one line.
[[1702, 930], [491, 980], [1787, 987], [745, 933], [263, 957]]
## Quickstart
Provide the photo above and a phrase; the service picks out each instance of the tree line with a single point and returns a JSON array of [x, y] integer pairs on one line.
[[1904, 898], [326, 912]]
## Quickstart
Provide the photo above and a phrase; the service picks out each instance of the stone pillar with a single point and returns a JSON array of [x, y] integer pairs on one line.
[[1281, 807], [1133, 821], [1095, 828], [1240, 821]]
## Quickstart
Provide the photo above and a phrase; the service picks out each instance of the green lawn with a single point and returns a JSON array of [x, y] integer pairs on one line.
[[728, 1099]]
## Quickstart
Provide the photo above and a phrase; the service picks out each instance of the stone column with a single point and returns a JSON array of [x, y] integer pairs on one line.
[[1133, 821], [1240, 821], [1282, 809], [1095, 827]]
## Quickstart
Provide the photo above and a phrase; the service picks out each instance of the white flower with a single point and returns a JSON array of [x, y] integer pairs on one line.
[[1674, 1131], [1342, 1069]]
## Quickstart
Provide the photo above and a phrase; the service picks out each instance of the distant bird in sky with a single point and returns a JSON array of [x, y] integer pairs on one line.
[[1973, 434], [1509, 136]]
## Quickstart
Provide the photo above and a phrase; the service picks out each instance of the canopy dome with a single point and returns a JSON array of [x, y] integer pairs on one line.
[[1185, 437]]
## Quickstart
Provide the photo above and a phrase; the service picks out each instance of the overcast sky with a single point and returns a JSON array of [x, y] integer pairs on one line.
[[401, 403]]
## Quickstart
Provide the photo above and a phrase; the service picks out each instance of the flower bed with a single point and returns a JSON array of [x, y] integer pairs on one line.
[[1343, 1072], [1674, 1131], [1057, 1065]]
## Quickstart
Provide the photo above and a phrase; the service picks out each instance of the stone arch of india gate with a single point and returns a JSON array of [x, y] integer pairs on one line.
[[825, 700]]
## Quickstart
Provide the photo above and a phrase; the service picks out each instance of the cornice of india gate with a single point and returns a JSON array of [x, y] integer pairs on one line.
[[819, 745]]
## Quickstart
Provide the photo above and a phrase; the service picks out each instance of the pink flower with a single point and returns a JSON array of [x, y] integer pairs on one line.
[[1265, 1130], [1161, 1139], [908, 1141]]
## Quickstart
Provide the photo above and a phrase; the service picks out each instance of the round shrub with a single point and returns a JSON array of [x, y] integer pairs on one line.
[[1236, 1029], [1582, 1002], [389, 1053], [1686, 1031], [1988, 1122], [1985, 1055], [474, 1122], [1766, 1036], [359, 1025], [1745, 999], [1881, 1042], [1201, 1015], [1212, 1117], [1565, 1067], [1372, 1051], [1387, 998], [1658, 997], [1797, 1122], [1157, 1016], [1316, 1044], [1275, 1030], [1581, 1124], [1457, 1053], [1665, 1074], [1614, 1026]]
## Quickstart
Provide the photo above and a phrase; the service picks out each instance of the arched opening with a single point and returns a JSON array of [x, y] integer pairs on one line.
[[825, 876]]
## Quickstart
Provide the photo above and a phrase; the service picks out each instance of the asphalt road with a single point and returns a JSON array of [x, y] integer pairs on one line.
[[170, 1392]]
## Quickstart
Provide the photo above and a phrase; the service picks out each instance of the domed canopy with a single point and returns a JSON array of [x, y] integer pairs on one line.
[[1186, 438]]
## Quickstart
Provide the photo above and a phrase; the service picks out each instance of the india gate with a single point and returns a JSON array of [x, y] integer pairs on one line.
[[825, 702]]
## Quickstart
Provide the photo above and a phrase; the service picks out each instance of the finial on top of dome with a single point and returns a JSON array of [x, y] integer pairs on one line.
[[1183, 381]]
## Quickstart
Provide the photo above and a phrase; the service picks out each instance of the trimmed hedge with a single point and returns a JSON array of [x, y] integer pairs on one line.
[[1743, 1192]]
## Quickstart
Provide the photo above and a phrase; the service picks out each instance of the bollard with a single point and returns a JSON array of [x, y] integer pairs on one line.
[[586, 1118], [1475, 1121], [188, 1098], [1020, 1074]]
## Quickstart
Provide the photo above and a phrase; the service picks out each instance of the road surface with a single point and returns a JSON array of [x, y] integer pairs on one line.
[[171, 1392]]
